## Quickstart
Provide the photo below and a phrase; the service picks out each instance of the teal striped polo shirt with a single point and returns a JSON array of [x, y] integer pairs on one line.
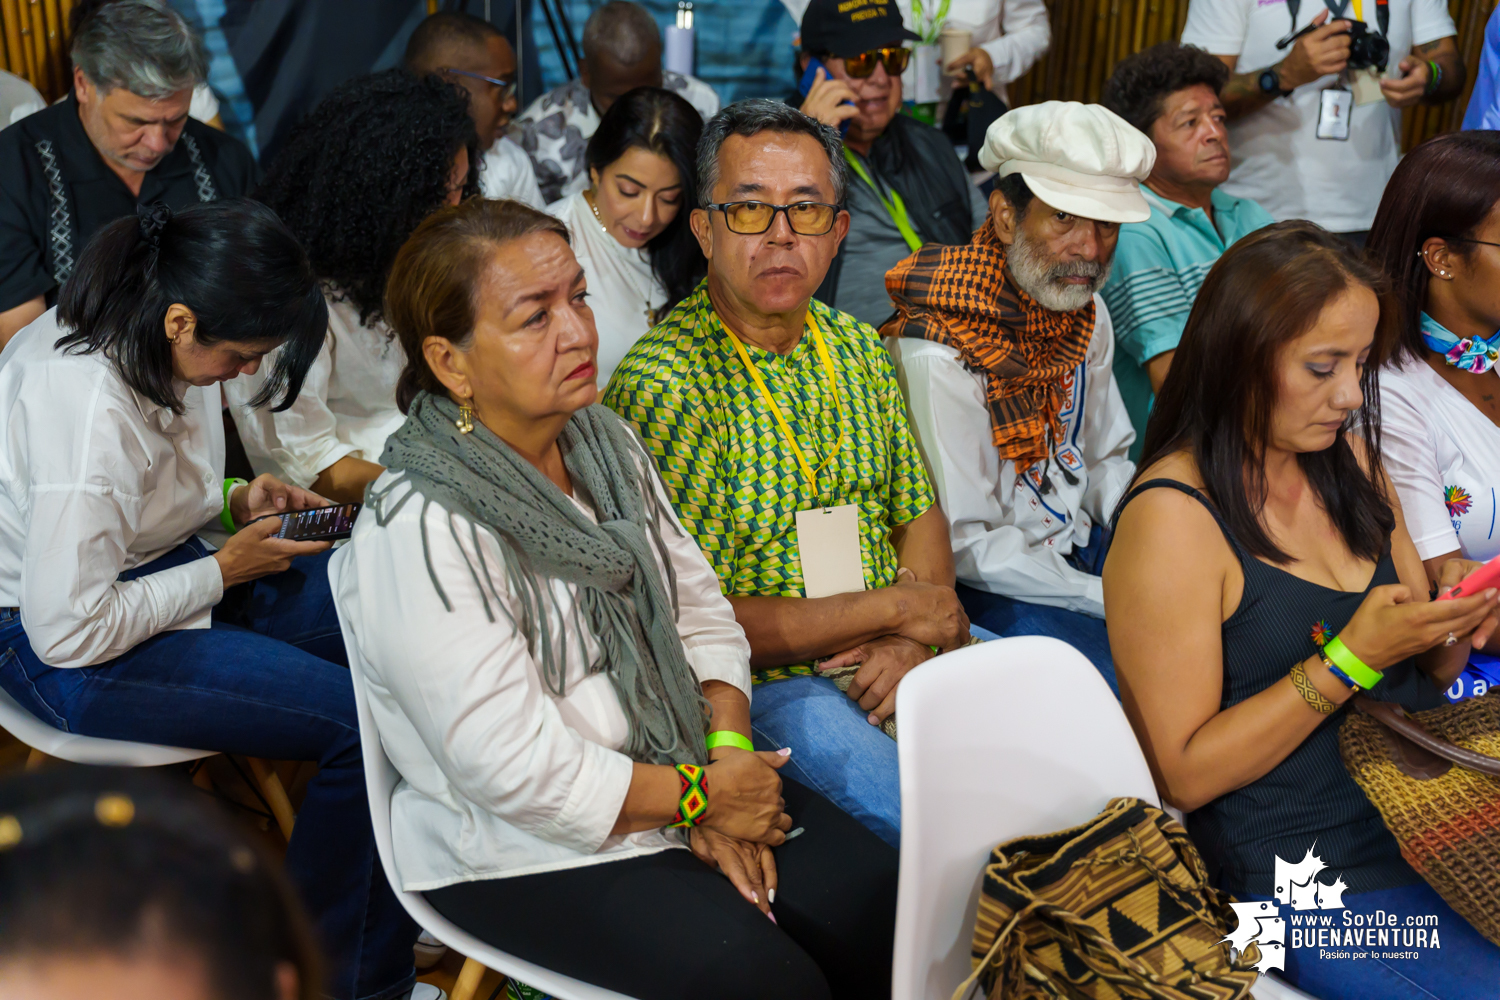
[[1159, 266]]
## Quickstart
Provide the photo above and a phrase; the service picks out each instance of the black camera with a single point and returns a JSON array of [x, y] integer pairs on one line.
[[1367, 48]]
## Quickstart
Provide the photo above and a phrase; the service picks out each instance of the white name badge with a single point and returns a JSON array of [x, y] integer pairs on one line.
[[1333, 116], [1365, 83], [828, 542]]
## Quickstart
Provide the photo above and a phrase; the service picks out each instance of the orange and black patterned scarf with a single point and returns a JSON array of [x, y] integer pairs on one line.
[[962, 297]]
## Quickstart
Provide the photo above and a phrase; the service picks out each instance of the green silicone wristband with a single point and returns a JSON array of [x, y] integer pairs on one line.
[[226, 518], [729, 738], [1350, 664]]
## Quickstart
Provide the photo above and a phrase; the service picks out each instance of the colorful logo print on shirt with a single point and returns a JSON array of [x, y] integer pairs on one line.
[[1321, 632], [1458, 500]]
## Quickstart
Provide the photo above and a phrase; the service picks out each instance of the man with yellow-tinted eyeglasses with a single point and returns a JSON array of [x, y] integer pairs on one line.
[[782, 441], [907, 185]]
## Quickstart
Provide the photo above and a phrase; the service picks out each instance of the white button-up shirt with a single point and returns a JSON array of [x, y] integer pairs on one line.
[[347, 405], [95, 479], [1008, 536], [499, 776]]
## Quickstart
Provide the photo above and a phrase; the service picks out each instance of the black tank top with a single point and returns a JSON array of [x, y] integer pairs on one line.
[[1308, 797]]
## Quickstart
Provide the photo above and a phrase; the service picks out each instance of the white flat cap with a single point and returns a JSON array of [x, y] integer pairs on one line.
[[1082, 159]]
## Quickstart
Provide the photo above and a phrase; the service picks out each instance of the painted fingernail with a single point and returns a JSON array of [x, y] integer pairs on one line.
[[754, 897], [773, 918], [771, 895], [785, 751]]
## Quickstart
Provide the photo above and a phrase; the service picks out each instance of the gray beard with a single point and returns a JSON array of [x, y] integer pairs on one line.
[[1039, 276]]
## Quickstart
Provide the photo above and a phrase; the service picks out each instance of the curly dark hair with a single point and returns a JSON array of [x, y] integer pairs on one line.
[[1140, 83], [364, 167]]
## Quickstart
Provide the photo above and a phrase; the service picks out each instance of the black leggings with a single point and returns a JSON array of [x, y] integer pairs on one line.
[[666, 926]]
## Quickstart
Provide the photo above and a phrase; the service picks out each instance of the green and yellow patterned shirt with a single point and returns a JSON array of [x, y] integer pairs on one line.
[[728, 471]]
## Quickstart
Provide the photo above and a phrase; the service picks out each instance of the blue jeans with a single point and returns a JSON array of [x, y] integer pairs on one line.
[[269, 679], [835, 750], [1465, 966], [1006, 616]]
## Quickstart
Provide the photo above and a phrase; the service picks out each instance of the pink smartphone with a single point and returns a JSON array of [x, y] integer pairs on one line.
[[1482, 578]]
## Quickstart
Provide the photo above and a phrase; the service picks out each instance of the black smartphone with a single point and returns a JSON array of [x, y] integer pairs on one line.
[[321, 524]]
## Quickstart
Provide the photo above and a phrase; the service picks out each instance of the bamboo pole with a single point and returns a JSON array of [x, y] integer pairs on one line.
[[10, 20], [38, 38], [57, 56]]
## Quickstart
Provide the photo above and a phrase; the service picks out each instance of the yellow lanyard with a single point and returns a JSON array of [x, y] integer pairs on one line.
[[791, 439]]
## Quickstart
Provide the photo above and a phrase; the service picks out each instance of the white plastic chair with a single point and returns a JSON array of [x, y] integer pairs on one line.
[[381, 777], [998, 740], [48, 741], [53, 742]]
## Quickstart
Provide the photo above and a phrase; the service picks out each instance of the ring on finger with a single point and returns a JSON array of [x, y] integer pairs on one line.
[[1452, 640]]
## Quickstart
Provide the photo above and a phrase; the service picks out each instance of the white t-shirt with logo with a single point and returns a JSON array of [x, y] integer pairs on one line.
[[1277, 159], [1444, 457]]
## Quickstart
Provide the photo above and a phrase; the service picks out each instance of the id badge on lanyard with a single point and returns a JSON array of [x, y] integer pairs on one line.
[[827, 537], [1334, 109]]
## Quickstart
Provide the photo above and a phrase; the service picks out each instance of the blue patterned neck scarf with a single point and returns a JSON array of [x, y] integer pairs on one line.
[[1477, 354]]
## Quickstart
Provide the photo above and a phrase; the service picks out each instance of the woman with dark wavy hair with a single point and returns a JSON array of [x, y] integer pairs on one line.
[[373, 159], [1261, 575], [630, 231]]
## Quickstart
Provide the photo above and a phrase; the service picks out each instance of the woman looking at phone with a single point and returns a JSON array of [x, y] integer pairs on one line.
[[629, 231], [560, 675], [1261, 537], [116, 619]]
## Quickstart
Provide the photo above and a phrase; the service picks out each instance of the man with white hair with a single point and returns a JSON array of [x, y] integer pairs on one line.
[[1005, 351], [122, 139]]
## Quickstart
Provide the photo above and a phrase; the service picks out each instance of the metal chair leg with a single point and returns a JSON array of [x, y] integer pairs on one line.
[[275, 793], [467, 983]]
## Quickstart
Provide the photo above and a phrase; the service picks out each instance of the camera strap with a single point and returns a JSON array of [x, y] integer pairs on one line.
[[1382, 17], [1382, 13]]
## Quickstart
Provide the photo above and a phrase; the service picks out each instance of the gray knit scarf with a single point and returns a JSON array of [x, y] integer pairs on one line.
[[543, 537]]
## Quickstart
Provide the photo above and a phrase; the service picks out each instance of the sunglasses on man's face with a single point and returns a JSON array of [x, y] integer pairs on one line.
[[751, 218], [862, 65]]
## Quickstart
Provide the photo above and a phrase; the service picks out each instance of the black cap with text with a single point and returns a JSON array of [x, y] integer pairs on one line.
[[846, 28]]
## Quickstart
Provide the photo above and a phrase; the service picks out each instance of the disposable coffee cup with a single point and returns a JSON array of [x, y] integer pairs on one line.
[[954, 42]]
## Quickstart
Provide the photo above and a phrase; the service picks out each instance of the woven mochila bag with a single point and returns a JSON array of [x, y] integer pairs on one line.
[[1435, 779], [1119, 908]]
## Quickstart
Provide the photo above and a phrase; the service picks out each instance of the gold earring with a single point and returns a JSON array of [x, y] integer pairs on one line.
[[465, 421]]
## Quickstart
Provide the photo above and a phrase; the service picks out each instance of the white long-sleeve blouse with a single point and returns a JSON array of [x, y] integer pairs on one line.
[[499, 776], [95, 479]]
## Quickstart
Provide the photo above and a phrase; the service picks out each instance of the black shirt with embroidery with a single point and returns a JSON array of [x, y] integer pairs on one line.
[[56, 191]]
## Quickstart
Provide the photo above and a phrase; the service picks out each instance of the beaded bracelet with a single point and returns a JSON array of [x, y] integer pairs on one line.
[[1333, 668], [693, 802], [1310, 694]]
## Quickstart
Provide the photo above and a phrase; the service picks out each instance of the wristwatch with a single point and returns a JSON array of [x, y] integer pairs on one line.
[[1270, 83]]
